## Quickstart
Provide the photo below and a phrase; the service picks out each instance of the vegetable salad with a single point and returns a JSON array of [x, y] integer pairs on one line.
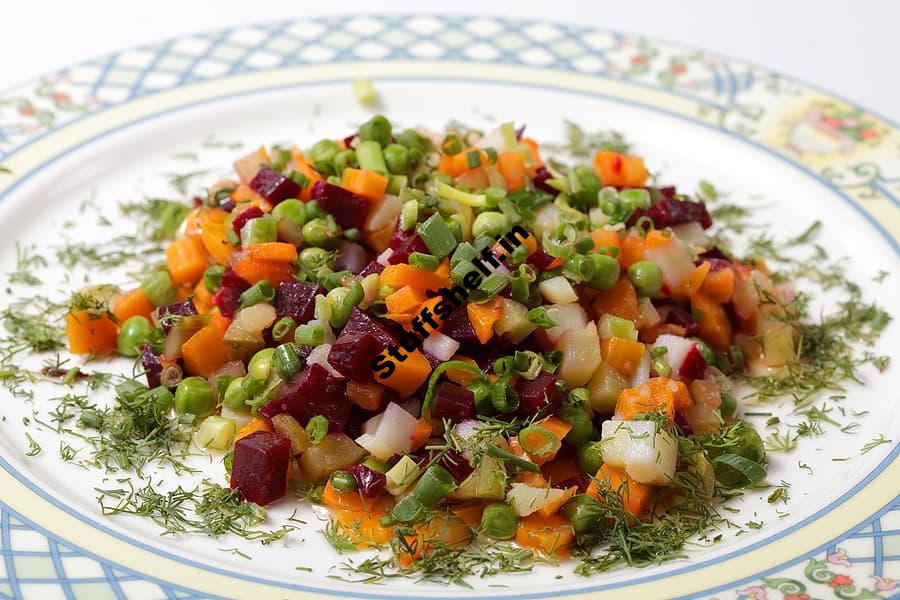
[[579, 396]]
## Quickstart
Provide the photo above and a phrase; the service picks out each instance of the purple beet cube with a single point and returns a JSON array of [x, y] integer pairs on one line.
[[273, 186], [360, 322], [454, 402], [541, 394], [539, 259], [372, 267], [297, 300], [348, 209], [682, 318], [315, 391], [404, 243], [371, 483], [169, 314], [151, 364], [458, 326], [540, 181], [352, 354], [260, 465], [694, 365], [668, 212], [254, 212]]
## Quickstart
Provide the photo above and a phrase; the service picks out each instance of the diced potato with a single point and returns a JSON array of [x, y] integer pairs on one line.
[[566, 317], [581, 355], [604, 388], [558, 290], [778, 342], [335, 451], [526, 499], [215, 433], [513, 321], [648, 455], [487, 482]]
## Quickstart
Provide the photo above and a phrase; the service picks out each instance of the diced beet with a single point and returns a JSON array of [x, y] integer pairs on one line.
[[540, 181], [228, 299], [371, 483], [352, 354], [228, 205], [715, 252], [681, 317], [259, 468], [315, 391], [694, 365], [231, 279], [372, 267], [404, 243], [540, 259], [361, 322], [151, 364], [540, 394], [520, 132], [273, 186], [668, 212], [253, 212], [454, 402], [168, 315], [297, 300], [455, 463], [458, 326], [348, 209], [350, 257], [348, 141], [433, 360], [715, 264], [275, 407]]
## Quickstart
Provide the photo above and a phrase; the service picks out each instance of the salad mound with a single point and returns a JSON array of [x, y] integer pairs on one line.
[[577, 398]]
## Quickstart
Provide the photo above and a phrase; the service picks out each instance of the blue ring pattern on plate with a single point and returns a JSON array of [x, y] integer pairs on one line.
[[510, 47]]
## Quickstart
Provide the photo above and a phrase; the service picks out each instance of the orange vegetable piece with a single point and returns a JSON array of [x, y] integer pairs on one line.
[[409, 374], [368, 395], [483, 316], [549, 536], [656, 239], [657, 395], [636, 498], [216, 242], [551, 508], [512, 167], [473, 179], [131, 304], [681, 396], [402, 274], [255, 424], [90, 333], [691, 284], [535, 160], [469, 514], [367, 184], [620, 301], [536, 480], [719, 285], [273, 251], [302, 165], [634, 171], [461, 377], [202, 298], [606, 237], [405, 300], [186, 259], [632, 250], [252, 270], [622, 354], [561, 470], [422, 432], [205, 351], [715, 327], [244, 193], [349, 501], [364, 528], [618, 170]]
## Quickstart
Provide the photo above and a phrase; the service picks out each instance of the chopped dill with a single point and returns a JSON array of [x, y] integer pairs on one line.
[[875, 443], [26, 263], [338, 538], [581, 144], [159, 218], [33, 447], [181, 181]]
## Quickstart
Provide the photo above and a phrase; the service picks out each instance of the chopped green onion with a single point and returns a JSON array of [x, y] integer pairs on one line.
[[212, 278], [437, 236], [343, 482], [261, 291], [561, 244], [287, 362], [376, 129], [424, 261], [436, 375], [491, 154], [301, 179], [365, 92], [451, 193], [451, 145], [434, 485], [734, 471], [540, 317], [473, 159], [546, 442], [317, 428], [409, 214], [370, 157], [507, 456], [343, 301], [330, 281], [508, 131], [310, 334]]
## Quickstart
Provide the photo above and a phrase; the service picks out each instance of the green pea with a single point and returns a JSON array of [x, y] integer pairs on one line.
[[343, 481], [313, 210], [313, 259], [134, 332], [260, 365], [396, 157], [585, 513], [212, 278], [490, 224], [344, 159], [606, 272], [321, 232], [590, 457], [162, 398], [414, 141], [377, 129], [292, 210], [235, 397], [499, 521], [646, 277], [582, 427], [194, 396], [729, 405], [322, 154], [160, 289]]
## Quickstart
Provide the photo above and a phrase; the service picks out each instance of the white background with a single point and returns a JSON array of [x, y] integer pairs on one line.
[[849, 48]]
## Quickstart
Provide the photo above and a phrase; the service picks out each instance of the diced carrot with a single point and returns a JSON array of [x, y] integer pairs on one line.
[[367, 184], [533, 479], [557, 427], [380, 239], [470, 514], [252, 270], [512, 167], [409, 374], [473, 179], [351, 501], [549, 536], [622, 354], [244, 193], [681, 396], [273, 251], [186, 259], [302, 165], [253, 425], [636, 498], [560, 470], [632, 250], [649, 334], [483, 316], [654, 396], [461, 377], [634, 171], [715, 327], [446, 166], [402, 274], [367, 395], [691, 284], [620, 301], [202, 298], [719, 285], [363, 527], [620, 171], [205, 351], [90, 333], [604, 238], [551, 508], [405, 300], [422, 432], [656, 239], [535, 160], [215, 240], [459, 163], [130, 304]]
